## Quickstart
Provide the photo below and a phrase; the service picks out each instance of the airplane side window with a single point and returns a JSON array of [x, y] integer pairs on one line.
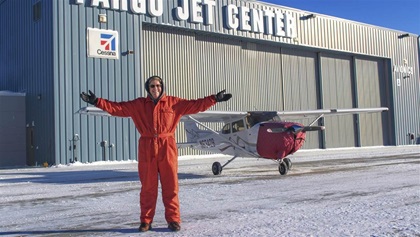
[[238, 126], [234, 127], [226, 129], [241, 125]]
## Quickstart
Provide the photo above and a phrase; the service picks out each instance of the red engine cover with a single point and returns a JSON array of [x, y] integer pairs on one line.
[[274, 143]]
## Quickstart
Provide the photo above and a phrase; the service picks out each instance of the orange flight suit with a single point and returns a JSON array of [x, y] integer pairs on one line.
[[158, 153]]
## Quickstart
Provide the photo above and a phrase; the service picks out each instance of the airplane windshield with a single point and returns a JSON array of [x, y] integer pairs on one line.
[[258, 117]]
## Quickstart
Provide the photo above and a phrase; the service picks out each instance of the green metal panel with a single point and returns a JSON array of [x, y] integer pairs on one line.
[[337, 89], [300, 81], [372, 91]]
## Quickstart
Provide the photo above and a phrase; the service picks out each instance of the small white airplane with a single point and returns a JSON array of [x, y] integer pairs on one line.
[[256, 134]]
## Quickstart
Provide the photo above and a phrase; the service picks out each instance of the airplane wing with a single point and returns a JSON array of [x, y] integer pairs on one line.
[[227, 116], [215, 116], [207, 116], [327, 112], [92, 111]]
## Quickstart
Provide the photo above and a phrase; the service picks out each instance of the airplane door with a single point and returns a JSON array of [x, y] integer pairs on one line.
[[239, 134]]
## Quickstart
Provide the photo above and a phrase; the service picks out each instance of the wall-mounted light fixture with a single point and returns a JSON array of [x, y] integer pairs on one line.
[[403, 36], [310, 16], [307, 17], [128, 52], [39, 96], [102, 18]]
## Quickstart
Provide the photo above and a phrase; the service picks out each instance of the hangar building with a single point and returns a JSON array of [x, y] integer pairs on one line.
[[270, 57]]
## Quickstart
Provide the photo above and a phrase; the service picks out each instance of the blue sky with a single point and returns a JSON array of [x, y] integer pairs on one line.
[[403, 15]]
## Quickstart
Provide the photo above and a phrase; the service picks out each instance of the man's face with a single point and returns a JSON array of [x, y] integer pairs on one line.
[[155, 88]]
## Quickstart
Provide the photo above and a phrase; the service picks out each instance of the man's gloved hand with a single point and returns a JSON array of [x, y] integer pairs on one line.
[[221, 96], [91, 98]]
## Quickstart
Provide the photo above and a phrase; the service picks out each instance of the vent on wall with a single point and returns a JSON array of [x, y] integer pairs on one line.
[[37, 11]]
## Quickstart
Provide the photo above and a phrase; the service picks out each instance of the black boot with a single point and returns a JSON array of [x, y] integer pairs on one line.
[[145, 227], [174, 226]]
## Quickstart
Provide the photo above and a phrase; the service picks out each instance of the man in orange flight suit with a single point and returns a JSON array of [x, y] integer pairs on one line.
[[156, 118]]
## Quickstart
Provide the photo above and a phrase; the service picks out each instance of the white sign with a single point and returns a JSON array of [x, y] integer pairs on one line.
[[268, 20], [102, 43], [404, 69]]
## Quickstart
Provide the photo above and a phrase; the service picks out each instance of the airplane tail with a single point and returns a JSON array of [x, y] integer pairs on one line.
[[193, 133]]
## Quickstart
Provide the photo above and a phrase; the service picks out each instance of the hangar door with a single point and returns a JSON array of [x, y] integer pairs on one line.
[[337, 92], [373, 91], [195, 65], [300, 77], [349, 82]]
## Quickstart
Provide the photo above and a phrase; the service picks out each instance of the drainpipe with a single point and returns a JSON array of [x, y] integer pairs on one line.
[[103, 145], [111, 146]]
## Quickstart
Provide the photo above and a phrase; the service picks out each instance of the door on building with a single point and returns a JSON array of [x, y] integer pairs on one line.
[[337, 92], [373, 91], [300, 79]]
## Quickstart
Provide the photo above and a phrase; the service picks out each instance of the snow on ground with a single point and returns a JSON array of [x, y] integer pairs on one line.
[[335, 192]]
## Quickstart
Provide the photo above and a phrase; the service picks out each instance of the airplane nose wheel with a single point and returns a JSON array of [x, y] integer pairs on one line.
[[283, 169], [216, 168], [284, 166], [288, 163]]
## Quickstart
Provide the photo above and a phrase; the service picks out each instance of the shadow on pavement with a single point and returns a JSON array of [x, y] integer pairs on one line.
[[79, 177]]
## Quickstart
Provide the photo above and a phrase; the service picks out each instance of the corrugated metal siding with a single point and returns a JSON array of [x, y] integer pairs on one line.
[[331, 33], [407, 94], [26, 66], [168, 19], [112, 79], [209, 71], [292, 77]]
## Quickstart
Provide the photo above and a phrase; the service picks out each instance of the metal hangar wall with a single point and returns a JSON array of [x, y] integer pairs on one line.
[[270, 57]]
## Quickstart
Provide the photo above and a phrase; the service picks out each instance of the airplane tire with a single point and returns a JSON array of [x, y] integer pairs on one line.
[[283, 169], [216, 168], [288, 163]]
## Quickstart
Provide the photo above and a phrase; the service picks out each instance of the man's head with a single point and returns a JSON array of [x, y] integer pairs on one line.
[[154, 87]]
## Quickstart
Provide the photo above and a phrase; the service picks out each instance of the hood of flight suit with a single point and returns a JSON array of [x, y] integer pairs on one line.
[[146, 86]]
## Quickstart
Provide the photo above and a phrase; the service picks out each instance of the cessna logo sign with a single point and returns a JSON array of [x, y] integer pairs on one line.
[[102, 43], [264, 20]]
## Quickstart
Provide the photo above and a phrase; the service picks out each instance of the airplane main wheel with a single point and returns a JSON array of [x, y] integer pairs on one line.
[[216, 168], [283, 169], [288, 163]]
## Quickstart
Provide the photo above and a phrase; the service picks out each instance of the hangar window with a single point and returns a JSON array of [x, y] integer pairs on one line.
[[37, 11]]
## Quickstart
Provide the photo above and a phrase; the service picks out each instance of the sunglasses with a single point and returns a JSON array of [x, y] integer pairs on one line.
[[153, 86]]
